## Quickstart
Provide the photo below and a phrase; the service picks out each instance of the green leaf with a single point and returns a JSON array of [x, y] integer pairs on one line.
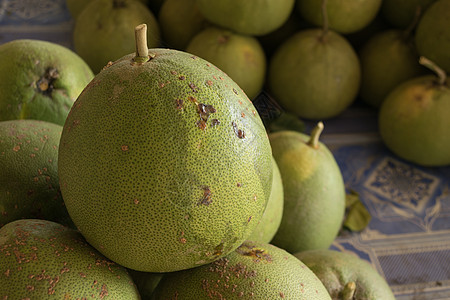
[[357, 217], [287, 121]]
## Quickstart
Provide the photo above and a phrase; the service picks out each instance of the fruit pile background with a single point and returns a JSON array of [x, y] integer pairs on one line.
[[408, 237]]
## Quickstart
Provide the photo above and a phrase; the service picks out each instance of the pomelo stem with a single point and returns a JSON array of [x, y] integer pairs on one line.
[[315, 134], [435, 68], [407, 33], [325, 19], [349, 291], [140, 34]]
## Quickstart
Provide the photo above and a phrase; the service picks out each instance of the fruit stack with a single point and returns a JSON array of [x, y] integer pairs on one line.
[[136, 165]]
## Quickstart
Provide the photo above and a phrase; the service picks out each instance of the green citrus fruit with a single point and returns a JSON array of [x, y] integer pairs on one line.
[[314, 191], [315, 74], [346, 276], [39, 80], [240, 56], [253, 271], [40, 259], [29, 186], [401, 13], [102, 31], [271, 219], [413, 120], [251, 17], [164, 162]]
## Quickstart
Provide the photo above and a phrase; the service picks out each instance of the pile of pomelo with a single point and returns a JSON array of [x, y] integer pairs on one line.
[[137, 166]]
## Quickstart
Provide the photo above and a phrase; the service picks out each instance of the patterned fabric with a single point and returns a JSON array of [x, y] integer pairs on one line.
[[408, 238]]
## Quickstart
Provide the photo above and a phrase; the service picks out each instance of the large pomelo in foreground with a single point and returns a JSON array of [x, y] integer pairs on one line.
[[255, 270], [41, 259], [164, 164]]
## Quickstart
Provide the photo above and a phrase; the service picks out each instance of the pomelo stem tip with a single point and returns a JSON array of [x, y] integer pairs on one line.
[[140, 33], [315, 134], [435, 68]]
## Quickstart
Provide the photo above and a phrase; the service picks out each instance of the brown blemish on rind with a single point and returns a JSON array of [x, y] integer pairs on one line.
[[179, 104], [45, 83], [239, 133], [206, 198]]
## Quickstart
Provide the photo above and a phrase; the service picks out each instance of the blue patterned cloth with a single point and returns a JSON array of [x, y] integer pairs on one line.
[[408, 238]]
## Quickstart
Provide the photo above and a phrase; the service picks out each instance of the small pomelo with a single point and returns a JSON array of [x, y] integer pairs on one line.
[[387, 59], [346, 276], [75, 7], [400, 13], [29, 184], [253, 271], [40, 259], [344, 16], [433, 34], [180, 21], [164, 163], [240, 56], [271, 219], [314, 191], [101, 31], [251, 17], [39, 80], [413, 119]]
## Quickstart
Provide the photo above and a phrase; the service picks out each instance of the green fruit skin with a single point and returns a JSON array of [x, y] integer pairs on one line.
[[386, 61], [40, 259], [75, 7], [251, 17], [433, 34], [146, 282], [314, 193], [22, 64], [413, 121], [167, 193], [104, 32], [29, 183], [336, 269], [401, 13], [240, 56], [315, 79], [271, 219], [177, 31], [344, 16], [253, 271]]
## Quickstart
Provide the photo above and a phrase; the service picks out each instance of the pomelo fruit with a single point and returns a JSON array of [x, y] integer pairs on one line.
[[251, 17], [240, 56], [102, 31], [387, 59], [314, 191], [39, 80], [29, 184], [400, 13], [315, 74], [75, 7], [180, 21], [344, 16], [346, 276], [146, 282], [433, 34], [413, 119], [271, 219], [253, 271], [40, 259], [164, 163]]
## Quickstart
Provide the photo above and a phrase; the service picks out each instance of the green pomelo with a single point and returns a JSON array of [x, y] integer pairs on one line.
[[102, 31], [29, 186], [164, 162], [433, 34], [75, 7], [180, 21], [39, 80], [314, 192], [240, 56], [271, 219], [387, 59], [41, 259], [315, 74], [344, 16], [346, 276], [253, 271], [414, 123], [146, 282], [251, 17], [400, 13]]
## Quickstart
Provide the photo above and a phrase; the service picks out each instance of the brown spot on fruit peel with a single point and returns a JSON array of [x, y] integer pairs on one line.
[[206, 198], [239, 133], [179, 103], [45, 83]]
